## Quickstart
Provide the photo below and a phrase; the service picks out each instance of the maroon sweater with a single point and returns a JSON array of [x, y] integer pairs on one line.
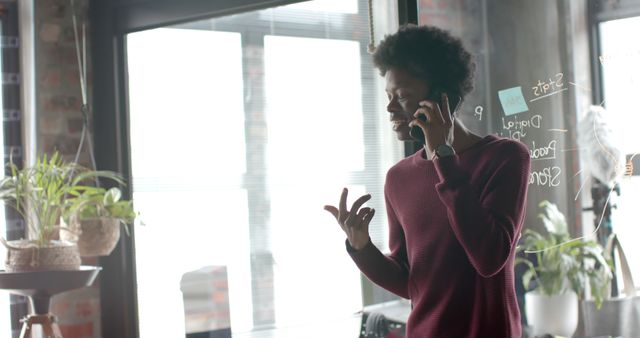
[[453, 227]]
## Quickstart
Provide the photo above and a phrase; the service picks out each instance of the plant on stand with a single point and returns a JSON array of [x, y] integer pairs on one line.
[[40, 194], [564, 271]]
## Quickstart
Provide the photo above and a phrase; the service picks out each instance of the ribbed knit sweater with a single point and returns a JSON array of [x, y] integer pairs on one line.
[[453, 227]]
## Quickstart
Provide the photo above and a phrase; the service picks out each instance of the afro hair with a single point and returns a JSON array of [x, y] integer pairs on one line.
[[429, 53]]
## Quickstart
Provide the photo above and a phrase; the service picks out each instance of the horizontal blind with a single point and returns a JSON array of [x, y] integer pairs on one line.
[[257, 121]]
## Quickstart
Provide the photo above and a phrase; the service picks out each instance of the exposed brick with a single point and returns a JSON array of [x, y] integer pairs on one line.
[[68, 34], [444, 5], [84, 330], [50, 78], [78, 312], [59, 120], [63, 144], [427, 4], [57, 55], [62, 103], [50, 32], [51, 124], [72, 78], [74, 125], [52, 9], [448, 21]]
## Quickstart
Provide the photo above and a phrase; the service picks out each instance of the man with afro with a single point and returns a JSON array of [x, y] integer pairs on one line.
[[455, 207]]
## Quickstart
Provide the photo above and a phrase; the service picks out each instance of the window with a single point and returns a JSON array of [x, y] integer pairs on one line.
[[12, 307], [5, 316], [242, 128], [621, 83], [5, 298]]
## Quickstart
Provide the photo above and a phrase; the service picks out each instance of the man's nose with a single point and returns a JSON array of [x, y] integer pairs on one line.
[[393, 107]]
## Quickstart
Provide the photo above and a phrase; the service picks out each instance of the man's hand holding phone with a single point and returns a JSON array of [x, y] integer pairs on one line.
[[354, 222], [436, 122]]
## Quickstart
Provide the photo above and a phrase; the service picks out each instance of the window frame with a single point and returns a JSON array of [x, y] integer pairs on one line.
[[111, 21], [600, 11], [14, 123]]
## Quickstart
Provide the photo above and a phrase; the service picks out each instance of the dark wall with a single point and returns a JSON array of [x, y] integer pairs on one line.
[[531, 45], [521, 44]]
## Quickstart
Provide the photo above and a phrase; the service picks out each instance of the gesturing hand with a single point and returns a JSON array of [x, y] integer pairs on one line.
[[354, 222]]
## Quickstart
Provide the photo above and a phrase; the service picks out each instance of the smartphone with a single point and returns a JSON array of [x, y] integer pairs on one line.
[[416, 132]]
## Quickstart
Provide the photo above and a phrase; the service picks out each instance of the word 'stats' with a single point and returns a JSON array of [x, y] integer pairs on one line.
[[546, 87]]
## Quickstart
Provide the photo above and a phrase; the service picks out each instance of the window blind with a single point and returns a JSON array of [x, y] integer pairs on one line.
[[242, 129]]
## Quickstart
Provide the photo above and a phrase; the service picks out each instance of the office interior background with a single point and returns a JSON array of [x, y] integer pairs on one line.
[[234, 122]]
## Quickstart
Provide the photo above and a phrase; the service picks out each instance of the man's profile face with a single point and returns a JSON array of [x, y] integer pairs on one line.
[[404, 92]]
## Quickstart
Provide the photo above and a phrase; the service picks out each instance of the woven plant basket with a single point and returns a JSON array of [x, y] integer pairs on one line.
[[25, 255], [94, 236]]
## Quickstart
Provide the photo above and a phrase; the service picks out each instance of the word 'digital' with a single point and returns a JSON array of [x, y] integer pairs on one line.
[[518, 128]]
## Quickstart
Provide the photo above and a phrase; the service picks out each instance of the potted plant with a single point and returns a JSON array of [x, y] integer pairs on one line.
[[561, 268], [94, 217], [40, 193]]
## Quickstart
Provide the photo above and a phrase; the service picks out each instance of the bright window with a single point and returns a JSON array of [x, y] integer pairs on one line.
[[241, 129], [621, 80], [5, 316]]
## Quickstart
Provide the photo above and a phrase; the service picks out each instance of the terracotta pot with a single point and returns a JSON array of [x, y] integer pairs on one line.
[[25, 255], [94, 236]]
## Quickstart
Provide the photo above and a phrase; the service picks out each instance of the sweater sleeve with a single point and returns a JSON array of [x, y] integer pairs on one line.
[[391, 271], [487, 220]]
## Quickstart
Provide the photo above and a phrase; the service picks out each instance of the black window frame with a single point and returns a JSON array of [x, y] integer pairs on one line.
[[13, 126], [600, 11]]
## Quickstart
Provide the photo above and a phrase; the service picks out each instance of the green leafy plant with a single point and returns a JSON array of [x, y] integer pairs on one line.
[[101, 202], [558, 263], [41, 193]]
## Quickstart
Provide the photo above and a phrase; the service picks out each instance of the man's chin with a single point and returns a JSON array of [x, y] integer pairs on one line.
[[404, 137]]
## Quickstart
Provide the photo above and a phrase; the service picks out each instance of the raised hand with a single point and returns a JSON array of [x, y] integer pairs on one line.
[[438, 128], [355, 221]]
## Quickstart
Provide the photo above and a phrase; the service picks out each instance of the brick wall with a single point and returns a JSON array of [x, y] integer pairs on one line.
[[58, 127], [446, 14], [58, 95]]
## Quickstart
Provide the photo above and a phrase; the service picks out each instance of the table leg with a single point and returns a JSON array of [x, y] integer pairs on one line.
[[50, 327], [26, 329]]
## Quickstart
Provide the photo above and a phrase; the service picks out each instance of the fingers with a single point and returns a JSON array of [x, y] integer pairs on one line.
[[353, 218], [363, 212], [424, 112], [418, 123], [333, 210], [366, 219], [358, 218], [431, 111], [361, 220], [342, 211], [437, 112], [358, 203], [446, 110]]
